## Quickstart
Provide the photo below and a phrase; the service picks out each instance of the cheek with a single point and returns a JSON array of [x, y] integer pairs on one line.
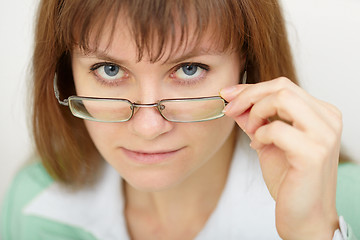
[[210, 136], [104, 135]]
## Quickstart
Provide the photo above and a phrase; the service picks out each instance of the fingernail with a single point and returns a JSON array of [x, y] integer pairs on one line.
[[228, 90]]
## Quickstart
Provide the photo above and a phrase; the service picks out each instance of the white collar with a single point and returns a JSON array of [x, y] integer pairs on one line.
[[98, 210], [244, 207]]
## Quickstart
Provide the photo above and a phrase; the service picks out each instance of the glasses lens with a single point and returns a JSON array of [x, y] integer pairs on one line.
[[192, 110], [103, 110]]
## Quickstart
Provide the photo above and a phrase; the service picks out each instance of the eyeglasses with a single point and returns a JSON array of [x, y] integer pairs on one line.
[[182, 110]]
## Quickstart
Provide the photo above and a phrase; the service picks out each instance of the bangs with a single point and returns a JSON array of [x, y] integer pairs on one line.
[[154, 25]]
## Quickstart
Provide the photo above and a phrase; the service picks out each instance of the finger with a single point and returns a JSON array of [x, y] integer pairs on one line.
[[334, 110], [302, 152], [286, 138], [245, 95], [241, 120], [232, 92], [288, 106], [330, 114], [252, 93]]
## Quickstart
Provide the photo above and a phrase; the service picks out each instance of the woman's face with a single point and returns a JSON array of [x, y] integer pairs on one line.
[[149, 152]]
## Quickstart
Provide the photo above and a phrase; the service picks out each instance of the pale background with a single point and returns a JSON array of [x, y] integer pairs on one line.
[[324, 34]]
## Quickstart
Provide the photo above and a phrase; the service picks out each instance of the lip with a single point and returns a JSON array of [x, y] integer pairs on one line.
[[150, 157]]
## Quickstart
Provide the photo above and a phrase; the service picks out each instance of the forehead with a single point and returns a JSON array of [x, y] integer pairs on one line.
[[122, 42], [157, 33]]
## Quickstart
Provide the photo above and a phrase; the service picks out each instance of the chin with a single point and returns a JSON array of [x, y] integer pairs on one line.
[[154, 181]]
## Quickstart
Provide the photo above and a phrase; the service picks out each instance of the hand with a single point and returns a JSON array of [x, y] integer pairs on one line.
[[298, 152]]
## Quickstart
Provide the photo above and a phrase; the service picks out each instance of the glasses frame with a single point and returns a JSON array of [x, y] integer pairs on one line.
[[134, 105]]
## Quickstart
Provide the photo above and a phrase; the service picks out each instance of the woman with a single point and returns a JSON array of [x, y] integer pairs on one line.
[[142, 81]]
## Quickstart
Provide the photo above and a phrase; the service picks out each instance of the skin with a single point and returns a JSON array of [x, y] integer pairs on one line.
[[298, 156], [298, 153], [161, 199]]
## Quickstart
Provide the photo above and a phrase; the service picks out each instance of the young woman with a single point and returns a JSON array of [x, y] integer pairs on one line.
[[143, 115]]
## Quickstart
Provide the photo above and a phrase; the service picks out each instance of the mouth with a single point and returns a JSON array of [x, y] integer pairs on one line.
[[150, 157]]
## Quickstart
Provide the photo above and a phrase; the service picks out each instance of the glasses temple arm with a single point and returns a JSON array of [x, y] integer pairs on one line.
[[65, 102], [244, 78]]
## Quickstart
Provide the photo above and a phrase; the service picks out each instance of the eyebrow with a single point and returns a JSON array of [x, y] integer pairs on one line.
[[196, 52], [103, 56]]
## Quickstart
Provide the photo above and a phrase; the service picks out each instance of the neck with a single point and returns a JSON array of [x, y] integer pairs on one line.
[[195, 197]]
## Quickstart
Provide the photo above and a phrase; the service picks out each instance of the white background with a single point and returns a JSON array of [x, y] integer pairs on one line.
[[324, 34]]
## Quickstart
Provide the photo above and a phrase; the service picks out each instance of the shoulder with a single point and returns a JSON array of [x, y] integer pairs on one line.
[[33, 177], [349, 171], [349, 179], [27, 184], [348, 195]]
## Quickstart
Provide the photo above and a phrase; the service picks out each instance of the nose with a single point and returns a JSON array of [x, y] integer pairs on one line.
[[148, 124]]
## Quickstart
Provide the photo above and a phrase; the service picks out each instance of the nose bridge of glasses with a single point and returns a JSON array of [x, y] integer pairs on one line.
[[158, 105], [136, 106], [146, 105]]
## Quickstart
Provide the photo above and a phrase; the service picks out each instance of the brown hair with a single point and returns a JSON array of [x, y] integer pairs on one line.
[[253, 27]]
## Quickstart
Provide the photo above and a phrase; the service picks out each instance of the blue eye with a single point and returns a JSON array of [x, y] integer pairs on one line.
[[111, 70], [190, 71], [108, 72]]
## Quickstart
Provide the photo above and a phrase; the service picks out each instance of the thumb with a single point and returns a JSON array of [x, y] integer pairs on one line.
[[241, 120]]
